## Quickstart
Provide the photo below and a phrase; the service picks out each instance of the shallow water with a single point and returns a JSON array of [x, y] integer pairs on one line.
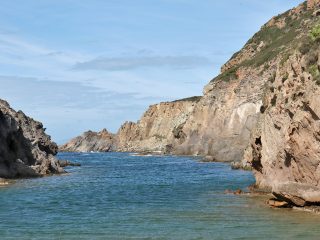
[[118, 196]]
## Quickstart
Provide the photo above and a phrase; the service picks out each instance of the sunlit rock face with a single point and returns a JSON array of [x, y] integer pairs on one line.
[[90, 141], [284, 150], [158, 128], [264, 108]]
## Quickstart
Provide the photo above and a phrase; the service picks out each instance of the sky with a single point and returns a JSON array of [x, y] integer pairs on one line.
[[77, 65]]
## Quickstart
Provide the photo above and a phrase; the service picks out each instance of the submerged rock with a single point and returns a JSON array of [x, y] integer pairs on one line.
[[66, 163], [25, 149], [241, 166]]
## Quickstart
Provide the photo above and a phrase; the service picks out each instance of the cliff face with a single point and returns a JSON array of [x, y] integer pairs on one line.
[[285, 146], [25, 149], [91, 141], [221, 122], [158, 128], [232, 110]]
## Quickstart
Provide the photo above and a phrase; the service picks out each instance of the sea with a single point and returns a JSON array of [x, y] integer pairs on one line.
[[125, 196]]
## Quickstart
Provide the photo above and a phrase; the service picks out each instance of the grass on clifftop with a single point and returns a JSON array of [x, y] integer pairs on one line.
[[275, 41], [310, 48]]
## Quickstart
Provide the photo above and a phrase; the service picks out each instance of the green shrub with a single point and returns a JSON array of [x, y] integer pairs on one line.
[[315, 33], [228, 75], [306, 46], [314, 71]]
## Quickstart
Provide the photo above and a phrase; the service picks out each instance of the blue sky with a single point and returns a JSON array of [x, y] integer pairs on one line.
[[88, 64]]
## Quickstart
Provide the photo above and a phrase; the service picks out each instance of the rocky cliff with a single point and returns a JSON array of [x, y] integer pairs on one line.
[[91, 142], [284, 150], [233, 109], [159, 127], [25, 149]]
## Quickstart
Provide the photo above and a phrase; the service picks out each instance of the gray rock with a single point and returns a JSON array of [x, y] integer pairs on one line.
[[66, 163], [25, 149]]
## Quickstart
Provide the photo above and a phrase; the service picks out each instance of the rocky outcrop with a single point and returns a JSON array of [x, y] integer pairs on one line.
[[160, 126], [66, 163], [91, 142], [219, 125], [285, 146], [221, 122], [313, 4], [285, 149], [25, 149]]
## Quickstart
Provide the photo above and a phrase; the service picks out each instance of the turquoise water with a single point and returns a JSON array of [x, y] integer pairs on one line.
[[118, 196]]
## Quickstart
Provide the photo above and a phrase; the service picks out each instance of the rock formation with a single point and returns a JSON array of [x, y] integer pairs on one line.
[[154, 132], [264, 108], [284, 150], [159, 127], [91, 142], [25, 149]]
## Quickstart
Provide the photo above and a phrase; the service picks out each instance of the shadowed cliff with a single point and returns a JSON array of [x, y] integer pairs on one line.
[[25, 149]]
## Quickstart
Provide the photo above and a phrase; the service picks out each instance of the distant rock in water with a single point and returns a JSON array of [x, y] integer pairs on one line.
[[66, 163], [91, 142], [25, 149]]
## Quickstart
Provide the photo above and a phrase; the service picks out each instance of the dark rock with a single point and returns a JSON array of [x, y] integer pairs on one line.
[[25, 149], [66, 163], [238, 192], [297, 194]]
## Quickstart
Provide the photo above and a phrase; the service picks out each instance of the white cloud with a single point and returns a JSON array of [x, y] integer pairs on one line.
[[118, 64]]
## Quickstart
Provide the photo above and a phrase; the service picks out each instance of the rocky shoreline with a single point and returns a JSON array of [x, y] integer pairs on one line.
[[261, 112], [25, 149]]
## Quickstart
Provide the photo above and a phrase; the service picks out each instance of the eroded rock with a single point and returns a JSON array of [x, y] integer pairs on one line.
[[91, 142], [25, 149]]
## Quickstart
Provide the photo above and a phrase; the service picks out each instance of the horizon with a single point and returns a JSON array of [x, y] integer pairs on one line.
[[84, 66]]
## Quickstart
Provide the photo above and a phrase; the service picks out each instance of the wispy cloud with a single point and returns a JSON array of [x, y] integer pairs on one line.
[[118, 64], [69, 108]]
